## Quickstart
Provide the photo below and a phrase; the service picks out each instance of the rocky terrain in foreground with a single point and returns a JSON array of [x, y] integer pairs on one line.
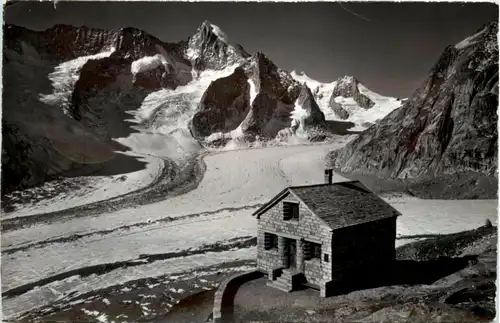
[[447, 129]]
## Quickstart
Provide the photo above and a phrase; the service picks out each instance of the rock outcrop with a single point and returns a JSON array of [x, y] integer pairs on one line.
[[224, 105], [448, 126], [347, 87], [310, 116], [338, 109], [276, 92]]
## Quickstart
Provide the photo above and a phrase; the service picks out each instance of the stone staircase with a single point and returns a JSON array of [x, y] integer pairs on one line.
[[287, 281]]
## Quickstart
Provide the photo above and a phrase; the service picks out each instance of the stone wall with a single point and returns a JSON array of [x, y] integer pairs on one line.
[[313, 271], [224, 296], [364, 252], [308, 227]]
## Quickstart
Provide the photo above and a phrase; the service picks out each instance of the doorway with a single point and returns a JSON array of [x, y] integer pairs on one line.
[[291, 253]]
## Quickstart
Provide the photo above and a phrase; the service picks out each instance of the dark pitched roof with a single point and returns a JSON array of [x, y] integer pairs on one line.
[[339, 204]]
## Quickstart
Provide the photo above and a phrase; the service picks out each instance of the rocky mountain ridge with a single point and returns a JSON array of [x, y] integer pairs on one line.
[[83, 83], [448, 126]]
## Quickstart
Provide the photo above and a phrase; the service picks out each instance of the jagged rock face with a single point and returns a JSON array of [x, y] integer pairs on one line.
[[276, 94], [347, 87], [267, 77], [209, 49], [314, 117], [448, 126], [224, 105], [61, 42], [339, 110]]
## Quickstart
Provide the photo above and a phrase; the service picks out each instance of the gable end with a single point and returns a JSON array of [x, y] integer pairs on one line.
[[271, 203]]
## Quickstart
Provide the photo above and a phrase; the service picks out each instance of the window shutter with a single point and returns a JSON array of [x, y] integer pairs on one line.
[[295, 211], [307, 250], [274, 241], [268, 240], [287, 211], [317, 251]]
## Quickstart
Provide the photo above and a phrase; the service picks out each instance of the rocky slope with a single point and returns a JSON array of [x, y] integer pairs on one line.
[[447, 127], [224, 105]]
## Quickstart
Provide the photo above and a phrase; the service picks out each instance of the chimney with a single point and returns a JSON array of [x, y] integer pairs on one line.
[[328, 176]]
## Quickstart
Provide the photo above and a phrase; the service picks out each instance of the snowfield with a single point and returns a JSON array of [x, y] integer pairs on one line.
[[192, 230]]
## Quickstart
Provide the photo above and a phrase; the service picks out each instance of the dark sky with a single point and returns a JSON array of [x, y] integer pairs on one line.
[[390, 47]]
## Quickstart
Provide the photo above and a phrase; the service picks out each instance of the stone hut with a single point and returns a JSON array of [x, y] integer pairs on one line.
[[325, 236]]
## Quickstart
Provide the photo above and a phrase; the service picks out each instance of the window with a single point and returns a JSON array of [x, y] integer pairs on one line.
[[270, 241], [312, 250], [290, 211], [325, 257]]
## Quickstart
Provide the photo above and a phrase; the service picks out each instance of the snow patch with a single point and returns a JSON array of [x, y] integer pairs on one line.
[[192, 54], [253, 91], [147, 63], [298, 115], [471, 40], [219, 33], [64, 78], [302, 77]]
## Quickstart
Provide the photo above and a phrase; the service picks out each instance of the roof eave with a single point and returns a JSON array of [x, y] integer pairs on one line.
[[269, 204]]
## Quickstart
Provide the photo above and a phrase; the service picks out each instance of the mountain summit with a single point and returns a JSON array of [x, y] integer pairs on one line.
[[209, 48]]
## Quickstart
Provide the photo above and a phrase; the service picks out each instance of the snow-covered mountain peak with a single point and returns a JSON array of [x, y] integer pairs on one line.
[[302, 77], [209, 48], [347, 99], [207, 26], [347, 79]]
